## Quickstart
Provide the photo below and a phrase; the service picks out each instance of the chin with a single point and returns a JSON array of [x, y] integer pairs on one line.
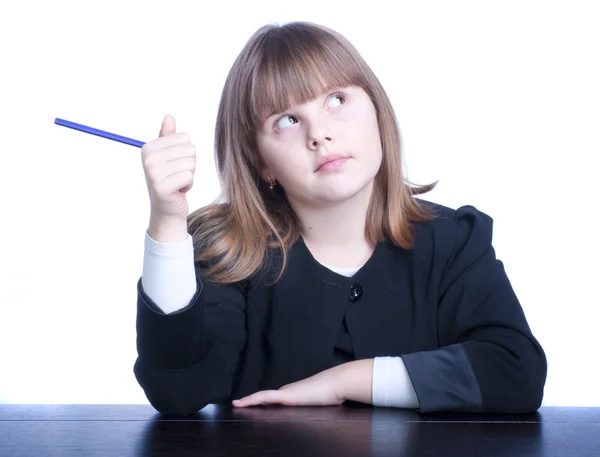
[[342, 193]]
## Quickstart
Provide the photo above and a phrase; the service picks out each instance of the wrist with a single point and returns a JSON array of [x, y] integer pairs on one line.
[[356, 381], [166, 230]]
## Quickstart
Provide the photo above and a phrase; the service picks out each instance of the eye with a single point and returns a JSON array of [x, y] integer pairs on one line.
[[282, 122], [339, 97]]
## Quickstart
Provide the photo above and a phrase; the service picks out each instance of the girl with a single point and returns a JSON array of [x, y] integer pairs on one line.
[[318, 276]]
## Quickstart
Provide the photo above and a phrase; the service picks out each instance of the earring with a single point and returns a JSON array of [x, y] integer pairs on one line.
[[272, 183]]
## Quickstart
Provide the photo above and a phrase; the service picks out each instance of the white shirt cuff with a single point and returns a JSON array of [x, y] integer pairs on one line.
[[392, 386], [168, 274]]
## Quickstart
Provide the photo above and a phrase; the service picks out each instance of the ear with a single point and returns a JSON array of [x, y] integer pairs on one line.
[[263, 170]]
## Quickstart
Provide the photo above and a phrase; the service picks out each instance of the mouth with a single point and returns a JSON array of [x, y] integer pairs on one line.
[[333, 164]]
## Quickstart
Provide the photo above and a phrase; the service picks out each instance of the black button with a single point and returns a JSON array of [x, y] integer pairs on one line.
[[355, 292]]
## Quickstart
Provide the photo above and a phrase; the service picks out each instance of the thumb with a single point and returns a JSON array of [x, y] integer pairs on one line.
[[168, 126]]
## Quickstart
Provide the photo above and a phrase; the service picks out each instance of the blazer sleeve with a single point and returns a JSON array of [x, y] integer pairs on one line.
[[187, 360], [488, 360]]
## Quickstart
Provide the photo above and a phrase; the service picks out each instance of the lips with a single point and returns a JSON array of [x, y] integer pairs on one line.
[[329, 158]]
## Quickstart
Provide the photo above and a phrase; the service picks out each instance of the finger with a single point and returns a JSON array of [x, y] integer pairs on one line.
[[155, 157], [166, 142], [168, 126], [175, 166], [182, 181], [179, 151], [264, 397]]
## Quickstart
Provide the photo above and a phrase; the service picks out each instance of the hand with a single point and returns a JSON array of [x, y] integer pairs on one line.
[[322, 389], [169, 164]]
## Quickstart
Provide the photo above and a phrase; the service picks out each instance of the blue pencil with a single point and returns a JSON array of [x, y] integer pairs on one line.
[[102, 133]]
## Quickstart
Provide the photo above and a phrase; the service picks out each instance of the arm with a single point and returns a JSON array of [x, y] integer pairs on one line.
[[382, 381], [187, 357], [488, 360]]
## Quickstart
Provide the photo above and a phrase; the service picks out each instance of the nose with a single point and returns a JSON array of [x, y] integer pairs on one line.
[[315, 143], [319, 134]]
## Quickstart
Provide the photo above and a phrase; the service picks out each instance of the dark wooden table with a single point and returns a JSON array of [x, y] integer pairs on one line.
[[345, 431]]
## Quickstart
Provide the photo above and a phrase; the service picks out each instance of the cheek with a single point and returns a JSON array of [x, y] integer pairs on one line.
[[284, 158], [372, 142], [366, 131]]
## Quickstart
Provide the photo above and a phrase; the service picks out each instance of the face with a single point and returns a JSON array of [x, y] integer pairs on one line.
[[341, 123]]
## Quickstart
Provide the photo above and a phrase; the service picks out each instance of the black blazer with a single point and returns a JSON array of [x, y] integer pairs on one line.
[[446, 306]]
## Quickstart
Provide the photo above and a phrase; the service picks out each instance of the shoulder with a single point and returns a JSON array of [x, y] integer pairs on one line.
[[466, 229], [446, 218]]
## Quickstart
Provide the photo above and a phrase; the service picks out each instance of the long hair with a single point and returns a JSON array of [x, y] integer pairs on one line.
[[298, 61]]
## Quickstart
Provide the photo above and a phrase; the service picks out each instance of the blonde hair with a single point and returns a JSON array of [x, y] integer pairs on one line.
[[298, 61]]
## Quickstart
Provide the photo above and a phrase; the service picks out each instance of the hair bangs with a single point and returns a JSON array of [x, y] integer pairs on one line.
[[296, 67]]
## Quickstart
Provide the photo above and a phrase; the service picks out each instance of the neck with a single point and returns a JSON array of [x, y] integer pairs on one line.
[[335, 229]]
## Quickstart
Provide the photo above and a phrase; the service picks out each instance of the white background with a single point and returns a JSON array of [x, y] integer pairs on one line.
[[498, 100]]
